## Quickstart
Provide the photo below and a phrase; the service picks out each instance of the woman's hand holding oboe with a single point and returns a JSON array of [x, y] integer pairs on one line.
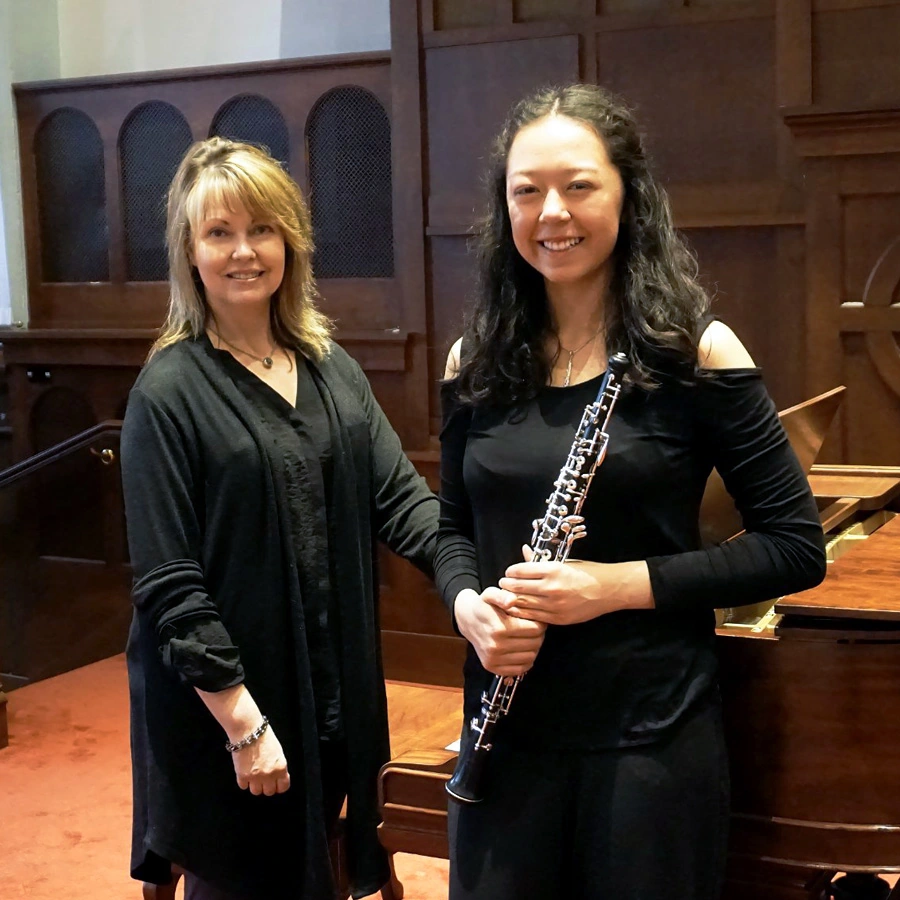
[[505, 644], [575, 591]]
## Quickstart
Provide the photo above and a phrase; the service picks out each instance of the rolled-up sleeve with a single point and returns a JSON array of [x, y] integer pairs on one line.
[[160, 485]]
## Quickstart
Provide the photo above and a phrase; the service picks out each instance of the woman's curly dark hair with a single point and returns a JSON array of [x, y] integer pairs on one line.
[[655, 303]]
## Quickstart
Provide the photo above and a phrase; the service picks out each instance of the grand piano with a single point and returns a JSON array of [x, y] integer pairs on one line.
[[811, 684]]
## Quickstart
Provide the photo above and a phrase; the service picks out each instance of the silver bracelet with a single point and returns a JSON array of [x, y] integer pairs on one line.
[[251, 738]]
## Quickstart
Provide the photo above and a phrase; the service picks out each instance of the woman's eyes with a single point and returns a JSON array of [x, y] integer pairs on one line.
[[527, 189], [262, 228]]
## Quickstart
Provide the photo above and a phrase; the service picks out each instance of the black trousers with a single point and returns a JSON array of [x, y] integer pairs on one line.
[[639, 823]]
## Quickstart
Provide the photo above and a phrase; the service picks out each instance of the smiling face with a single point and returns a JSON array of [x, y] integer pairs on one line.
[[240, 257], [564, 198]]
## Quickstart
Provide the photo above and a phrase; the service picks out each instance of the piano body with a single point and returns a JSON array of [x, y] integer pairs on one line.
[[811, 686]]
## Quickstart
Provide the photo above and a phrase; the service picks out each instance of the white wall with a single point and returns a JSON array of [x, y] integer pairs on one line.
[[29, 51], [102, 37], [321, 27]]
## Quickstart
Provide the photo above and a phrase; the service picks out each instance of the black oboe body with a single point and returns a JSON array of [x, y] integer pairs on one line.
[[551, 540]]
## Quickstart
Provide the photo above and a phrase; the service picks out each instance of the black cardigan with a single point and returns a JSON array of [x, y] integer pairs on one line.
[[217, 601]]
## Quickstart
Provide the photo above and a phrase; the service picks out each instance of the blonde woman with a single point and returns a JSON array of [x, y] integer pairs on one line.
[[259, 473]]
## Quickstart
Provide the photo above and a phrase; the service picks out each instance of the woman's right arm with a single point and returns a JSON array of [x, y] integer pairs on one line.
[[505, 644], [160, 484]]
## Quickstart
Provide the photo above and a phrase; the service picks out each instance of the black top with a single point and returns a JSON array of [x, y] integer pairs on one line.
[[309, 466], [623, 678], [217, 490]]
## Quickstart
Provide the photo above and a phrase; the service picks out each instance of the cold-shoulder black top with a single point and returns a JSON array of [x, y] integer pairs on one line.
[[624, 678]]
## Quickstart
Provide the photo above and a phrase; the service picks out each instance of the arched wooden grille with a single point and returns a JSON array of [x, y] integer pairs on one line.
[[255, 120], [68, 156], [349, 147], [152, 142]]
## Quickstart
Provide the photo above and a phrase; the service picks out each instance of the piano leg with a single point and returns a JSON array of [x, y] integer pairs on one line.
[[393, 890]]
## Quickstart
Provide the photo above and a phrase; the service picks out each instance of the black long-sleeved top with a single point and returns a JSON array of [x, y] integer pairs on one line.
[[232, 575], [623, 678]]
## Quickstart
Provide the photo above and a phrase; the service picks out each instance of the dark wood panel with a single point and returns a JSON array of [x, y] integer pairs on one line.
[[449, 14], [718, 128], [426, 658], [453, 273], [871, 432], [789, 749], [541, 11], [59, 612], [463, 117], [871, 224], [855, 57], [756, 277]]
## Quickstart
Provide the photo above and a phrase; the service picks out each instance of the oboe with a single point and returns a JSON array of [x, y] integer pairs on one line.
[[552, 539]]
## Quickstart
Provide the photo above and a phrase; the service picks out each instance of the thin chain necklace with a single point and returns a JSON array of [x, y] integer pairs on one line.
[[267, 361], [572, 353]]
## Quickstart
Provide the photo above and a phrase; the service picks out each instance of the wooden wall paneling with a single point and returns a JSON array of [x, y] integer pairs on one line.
[[850, 166], [789, 350], [28, 122], [824, 277], [588, 63], [99, 366], [793, 52], [854, 60], [542, 11], [418, 641], [871, 226], [793, 76], [453, 272], [872, 408], [450, 14], [706, 129], [740, 269], [463, 117], [408, 204], [731, 204], [363, 304]]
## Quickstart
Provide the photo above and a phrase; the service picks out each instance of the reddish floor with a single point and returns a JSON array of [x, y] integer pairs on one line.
[[65, 794], [65, 802]]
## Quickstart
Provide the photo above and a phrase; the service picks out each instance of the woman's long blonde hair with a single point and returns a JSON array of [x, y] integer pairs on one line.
[[219, 172]]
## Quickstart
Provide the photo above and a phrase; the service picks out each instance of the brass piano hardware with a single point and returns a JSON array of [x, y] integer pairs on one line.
[[106, 456]]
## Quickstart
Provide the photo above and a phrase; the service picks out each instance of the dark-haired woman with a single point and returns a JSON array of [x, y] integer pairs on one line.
[[608, 778]]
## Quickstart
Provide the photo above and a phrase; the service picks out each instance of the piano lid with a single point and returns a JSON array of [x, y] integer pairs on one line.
[[806, 426], [864, 583]]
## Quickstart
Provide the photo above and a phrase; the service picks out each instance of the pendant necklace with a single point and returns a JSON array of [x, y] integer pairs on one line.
[[267, 361], [572, 353]]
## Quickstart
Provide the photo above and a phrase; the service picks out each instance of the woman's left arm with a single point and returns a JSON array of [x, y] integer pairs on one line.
[[406, 509], [781, 551]]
